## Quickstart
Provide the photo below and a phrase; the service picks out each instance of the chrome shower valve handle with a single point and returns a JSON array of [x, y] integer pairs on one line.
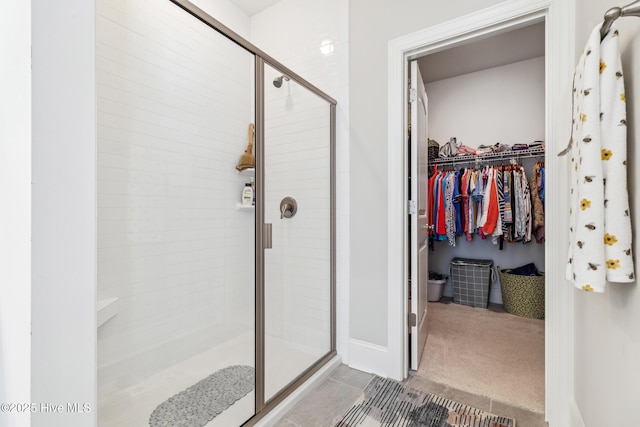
[[288, 207]]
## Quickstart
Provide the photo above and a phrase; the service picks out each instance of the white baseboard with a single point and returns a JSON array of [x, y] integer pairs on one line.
[[576, 416], [290, 401], [369, 357]]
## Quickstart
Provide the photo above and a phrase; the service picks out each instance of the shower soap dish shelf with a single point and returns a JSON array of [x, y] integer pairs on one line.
[[242, 207], [247, 172], [107, 308]]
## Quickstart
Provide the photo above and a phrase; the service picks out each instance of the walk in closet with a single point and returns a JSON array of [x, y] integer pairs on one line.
[[511, 239], [486, 123]]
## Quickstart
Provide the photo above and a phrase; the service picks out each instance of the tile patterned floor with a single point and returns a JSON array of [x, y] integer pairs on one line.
[[325, 405]]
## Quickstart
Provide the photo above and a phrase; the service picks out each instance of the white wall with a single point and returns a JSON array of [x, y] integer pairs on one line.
[[15, 217], [371, 26], [607, 337], [175, 99], [63, 334], [501, 104], [292, 31]]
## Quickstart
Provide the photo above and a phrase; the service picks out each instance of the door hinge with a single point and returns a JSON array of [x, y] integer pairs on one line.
[[413, 320], [413, 94], [411, 206]]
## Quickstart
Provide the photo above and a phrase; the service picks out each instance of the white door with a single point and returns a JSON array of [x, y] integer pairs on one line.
[[419, 217]]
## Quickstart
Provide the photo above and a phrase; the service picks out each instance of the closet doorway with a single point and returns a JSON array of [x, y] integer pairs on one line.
[[489, 94]]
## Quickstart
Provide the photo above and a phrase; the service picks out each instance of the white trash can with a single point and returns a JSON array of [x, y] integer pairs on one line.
[[434, 289]]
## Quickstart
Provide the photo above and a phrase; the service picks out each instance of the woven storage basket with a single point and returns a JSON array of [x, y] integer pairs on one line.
[[433, 149], [523, 295]]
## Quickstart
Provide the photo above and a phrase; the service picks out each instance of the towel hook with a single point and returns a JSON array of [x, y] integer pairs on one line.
[[610, 16], [632, 9]]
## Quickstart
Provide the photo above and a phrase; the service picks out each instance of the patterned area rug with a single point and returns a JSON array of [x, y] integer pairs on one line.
[[388, 403], [203, 401]]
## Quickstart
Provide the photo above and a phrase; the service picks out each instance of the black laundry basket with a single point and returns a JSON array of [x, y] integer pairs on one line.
[[471, 280]]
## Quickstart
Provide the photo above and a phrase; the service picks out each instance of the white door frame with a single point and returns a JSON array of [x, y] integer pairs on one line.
[[559, 16]]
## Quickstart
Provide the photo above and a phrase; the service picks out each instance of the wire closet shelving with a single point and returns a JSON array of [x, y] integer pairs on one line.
[[499, 156]]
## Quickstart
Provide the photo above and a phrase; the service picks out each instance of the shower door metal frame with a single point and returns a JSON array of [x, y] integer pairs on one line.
[[261, 58]]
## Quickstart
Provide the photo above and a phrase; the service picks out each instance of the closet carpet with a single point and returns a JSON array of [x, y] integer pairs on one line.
[[486, 352]]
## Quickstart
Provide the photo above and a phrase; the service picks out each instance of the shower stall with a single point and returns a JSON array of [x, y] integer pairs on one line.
[[196, 287]]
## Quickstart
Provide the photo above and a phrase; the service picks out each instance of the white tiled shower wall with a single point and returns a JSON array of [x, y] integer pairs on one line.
[[292, 31], [171, 244], [297, 164], [137, 125]]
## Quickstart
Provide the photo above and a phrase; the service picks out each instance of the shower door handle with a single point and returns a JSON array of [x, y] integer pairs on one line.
[[268, 244]]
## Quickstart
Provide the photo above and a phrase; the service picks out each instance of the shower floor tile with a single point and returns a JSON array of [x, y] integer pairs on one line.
[[131, 406]]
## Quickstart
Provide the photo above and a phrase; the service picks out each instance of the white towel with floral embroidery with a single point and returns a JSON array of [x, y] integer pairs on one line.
[[600, 222]]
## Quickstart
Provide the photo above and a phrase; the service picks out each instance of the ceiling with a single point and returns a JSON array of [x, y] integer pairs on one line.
[[506, 48], [251, 7]]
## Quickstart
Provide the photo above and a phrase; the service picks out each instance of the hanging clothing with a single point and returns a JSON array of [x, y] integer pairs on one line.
[[488, 202], [441, 228], [473, 203], [492, 210], [541, 185], [497, 233], [538, 207], [430, 195], [478, 197], [600, 223], [465, 204], [485, 200], [519, 218], [456, 198], [526, 196], [508, 213], [449, 209]]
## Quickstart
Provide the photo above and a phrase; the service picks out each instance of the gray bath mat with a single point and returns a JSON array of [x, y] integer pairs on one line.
[[387, 402], [203, 401]]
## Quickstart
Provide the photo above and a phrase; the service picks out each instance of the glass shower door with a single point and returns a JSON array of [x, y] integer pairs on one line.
[[297, 205], [176, 247]]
